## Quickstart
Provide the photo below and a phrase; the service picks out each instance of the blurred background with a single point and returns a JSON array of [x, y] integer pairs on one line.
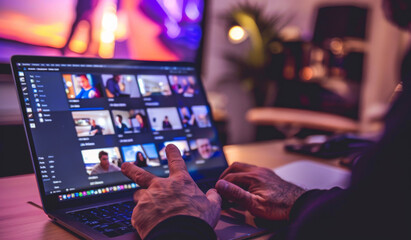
[[337, 60]]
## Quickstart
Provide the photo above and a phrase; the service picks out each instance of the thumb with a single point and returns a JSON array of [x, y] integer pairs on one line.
[[213, 197], [214, 213], [234, 193]]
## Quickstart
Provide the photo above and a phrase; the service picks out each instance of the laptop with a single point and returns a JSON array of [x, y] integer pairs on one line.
[[85, 117]]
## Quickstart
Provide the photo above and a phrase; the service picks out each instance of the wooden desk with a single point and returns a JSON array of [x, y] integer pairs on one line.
[[302, 118], [269, 154], [20, 220]]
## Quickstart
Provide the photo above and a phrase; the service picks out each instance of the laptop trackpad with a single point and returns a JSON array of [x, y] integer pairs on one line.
[[232, 225]]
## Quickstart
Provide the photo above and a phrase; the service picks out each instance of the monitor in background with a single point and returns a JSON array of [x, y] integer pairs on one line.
[[142, 29]]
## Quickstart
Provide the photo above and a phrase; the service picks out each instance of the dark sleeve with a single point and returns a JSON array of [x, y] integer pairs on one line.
[[311, 199], [182, 227], [377, 203], [318, 214], [375, 206]]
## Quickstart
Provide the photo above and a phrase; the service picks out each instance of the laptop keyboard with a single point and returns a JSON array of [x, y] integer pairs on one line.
[[111, 220], [115, 220]]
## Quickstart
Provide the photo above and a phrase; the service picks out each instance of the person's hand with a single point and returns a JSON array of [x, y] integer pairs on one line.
[[258, 190], [161, 198]]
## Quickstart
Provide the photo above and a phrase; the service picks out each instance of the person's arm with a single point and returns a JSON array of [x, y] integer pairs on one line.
[[92, 131], [375, 206], [314, 214], [320, 214], [95, 171], [100, 129], [109, 94]]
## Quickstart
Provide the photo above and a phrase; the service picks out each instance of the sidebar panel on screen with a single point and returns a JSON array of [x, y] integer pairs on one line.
[[51, 122]]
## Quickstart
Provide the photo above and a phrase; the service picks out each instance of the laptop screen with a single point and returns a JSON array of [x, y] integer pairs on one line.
[[85, 117]]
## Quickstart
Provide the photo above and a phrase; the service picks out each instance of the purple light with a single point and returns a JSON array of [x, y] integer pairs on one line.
[[173, 30], [173, 9], [192, 11]]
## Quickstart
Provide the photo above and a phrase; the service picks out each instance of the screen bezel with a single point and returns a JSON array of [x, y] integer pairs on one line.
[[51, 202]]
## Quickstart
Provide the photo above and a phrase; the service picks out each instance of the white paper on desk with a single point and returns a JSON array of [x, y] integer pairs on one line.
[[312, 175]]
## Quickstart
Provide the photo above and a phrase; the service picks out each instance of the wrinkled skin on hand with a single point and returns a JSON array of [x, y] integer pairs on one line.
[[161, 198], [259, 190]]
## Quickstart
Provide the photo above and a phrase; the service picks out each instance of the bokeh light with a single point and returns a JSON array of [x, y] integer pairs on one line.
[[237, 34]]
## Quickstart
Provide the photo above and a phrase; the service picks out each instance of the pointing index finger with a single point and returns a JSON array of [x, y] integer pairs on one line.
[[138, 175], [175, 161]]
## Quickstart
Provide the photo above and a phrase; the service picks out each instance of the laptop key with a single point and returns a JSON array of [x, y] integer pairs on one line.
[[92, 223]]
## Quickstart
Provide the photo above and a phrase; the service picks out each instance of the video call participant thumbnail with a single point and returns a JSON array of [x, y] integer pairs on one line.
[[192, 88], [144, 155], [166, 124], [120, 86], [104, 166], [81, 86], [139, 121], [187, 117], [103, 160], [95, 129], [122, 122], [163, 119], [203, 149], [182, 146], [183, 85], [121, 127], [130, 121], [175, 84], [92, 123], [153, 85], [141, 160], [202, 116]]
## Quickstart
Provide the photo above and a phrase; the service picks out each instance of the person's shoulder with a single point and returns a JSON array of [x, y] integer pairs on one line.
[[80, 94], [96, 166], [95, 169], [110, 82], [114, 167]]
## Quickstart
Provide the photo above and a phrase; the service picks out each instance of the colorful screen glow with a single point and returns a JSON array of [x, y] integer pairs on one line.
[[136, 29]]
